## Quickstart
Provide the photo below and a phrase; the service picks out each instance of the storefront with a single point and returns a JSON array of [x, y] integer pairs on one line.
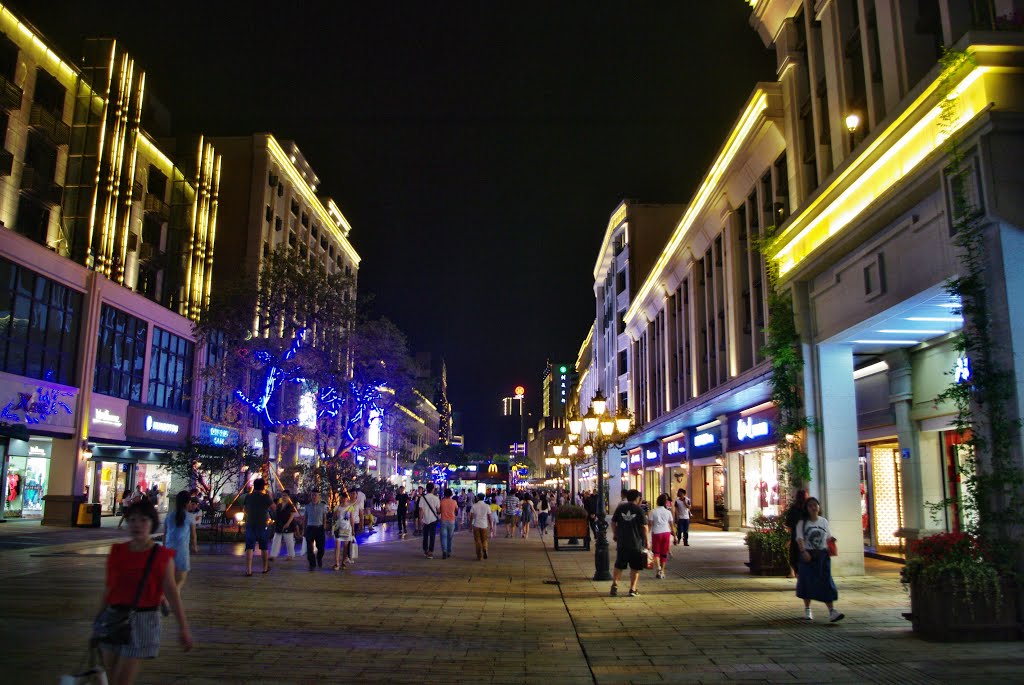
[[881, 498], [673, 458], [28, 472], [708, 496], [128, 446], [752, 441], [652, 473], [635, 479]]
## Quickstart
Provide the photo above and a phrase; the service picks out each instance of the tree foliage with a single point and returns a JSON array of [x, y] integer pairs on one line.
[[213, 467]]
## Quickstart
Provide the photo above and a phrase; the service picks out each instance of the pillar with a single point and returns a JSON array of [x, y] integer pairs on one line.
[[901, 398], [837, 482]]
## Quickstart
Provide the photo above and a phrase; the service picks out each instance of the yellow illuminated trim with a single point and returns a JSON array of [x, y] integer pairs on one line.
[[284, 161], [153, 152], [420, 395], [410, 413], [586, 341], [127, 202], [737, 137], [901, 153], [11, 24], [617, 217]]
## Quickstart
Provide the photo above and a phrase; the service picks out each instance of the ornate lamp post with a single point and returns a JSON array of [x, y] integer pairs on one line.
[[602, 432]]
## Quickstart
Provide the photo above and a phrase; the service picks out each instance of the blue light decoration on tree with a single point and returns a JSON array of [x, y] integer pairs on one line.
[[37, 407], [274, 376], [367, 410]]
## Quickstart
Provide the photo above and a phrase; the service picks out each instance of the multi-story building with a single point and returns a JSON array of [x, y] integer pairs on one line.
[[556, 384], [633, 240], [105, 265], [845, 158], [407, 431]]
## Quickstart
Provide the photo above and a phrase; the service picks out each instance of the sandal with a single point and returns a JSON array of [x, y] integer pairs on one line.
[[336, 567], [248, 574]]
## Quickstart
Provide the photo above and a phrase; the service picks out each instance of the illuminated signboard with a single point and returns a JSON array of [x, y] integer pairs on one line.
[[962, 372], [634, 459], [704, 439], [623, 465], [651, 454], [675, 447], [748, 429], [154, 426], [307, 452], [105, 417]]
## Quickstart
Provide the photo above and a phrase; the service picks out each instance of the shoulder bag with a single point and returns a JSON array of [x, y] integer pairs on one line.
[[113, 625], [833, 550], [431, 507]]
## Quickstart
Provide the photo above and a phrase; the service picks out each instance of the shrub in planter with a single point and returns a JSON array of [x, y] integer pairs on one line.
[[958, 592], [768, 543], [571, 511]]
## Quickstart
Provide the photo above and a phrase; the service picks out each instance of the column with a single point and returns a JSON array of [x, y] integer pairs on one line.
[[901, 397], [837, 475], [733, 491]]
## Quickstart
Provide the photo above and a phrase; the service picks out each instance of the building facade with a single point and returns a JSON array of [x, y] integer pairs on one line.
[[844, 161]]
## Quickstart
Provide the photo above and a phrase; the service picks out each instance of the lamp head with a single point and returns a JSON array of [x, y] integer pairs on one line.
[[607, 426], [588, 449], [599, 403], [575, 427], [590, 421], [557, 448], [852, 122]]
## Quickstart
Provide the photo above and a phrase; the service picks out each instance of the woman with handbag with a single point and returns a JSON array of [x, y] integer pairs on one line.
[[814, 574], [139, 575], [345, 516]]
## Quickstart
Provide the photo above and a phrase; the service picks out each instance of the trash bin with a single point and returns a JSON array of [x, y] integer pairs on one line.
[[88, 515]]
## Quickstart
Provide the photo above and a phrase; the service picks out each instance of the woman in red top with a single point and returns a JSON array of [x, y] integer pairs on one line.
[[125, 567]]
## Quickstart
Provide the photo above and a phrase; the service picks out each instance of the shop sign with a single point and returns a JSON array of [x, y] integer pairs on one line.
[[42, 404], [371, 464], [157, 426], [623, 465], [675, 447], [705, 443], [306, 453], [634, 459], [32, 448], [748, 429], [753, 430], [218, 435], [704, 439], [108, 417], [962, 371], [651, 454]]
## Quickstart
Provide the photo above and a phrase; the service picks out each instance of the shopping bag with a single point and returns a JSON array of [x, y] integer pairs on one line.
[[353, 551], [650, 558], [93, 674], [833, 550]]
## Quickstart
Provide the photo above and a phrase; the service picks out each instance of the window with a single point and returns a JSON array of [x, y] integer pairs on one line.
[[305, 221], [270, 214], [120, 355], [39, 322], [33, 219], [295, 207], [623, 362], [8, 57], [291, 239], [218, 397], [49, 93], [156, 182], [170, 371], [278, 224], [620, 282], [280, 189]]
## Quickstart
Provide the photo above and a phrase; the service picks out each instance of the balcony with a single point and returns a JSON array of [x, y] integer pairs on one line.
[[45, 122], [6, 162], [157, 207], [136, 191], [10, 95], [151, 254], [40, 187]]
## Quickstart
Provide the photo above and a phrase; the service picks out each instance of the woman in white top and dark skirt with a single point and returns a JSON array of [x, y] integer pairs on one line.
[[814, 574]]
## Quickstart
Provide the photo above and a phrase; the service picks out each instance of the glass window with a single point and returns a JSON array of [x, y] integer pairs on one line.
[[170, 371], [39, 322], [120, 355]]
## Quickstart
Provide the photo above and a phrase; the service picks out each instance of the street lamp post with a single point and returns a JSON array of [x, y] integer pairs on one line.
[[603, 432]]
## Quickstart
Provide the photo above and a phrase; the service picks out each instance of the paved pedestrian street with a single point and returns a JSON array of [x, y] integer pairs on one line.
[[526, 615]]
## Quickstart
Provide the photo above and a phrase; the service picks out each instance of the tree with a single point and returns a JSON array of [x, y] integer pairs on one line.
[[212, 467]]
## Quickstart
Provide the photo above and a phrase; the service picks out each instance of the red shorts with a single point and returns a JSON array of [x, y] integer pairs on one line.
[[660, 543]]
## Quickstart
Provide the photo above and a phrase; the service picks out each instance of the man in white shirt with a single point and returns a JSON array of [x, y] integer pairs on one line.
[[360, 505], [682, 511], [430, 505], [480, 520]]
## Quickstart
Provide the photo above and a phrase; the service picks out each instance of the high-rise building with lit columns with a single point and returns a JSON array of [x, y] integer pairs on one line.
[[105, 262], [845, 159]]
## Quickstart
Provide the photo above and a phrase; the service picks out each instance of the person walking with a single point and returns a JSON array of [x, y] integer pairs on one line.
[[346, 517], [543, 511], [401, 511], [417, 522], [495, 513], [139, 575], [526, 511], [661, 534], [629, 531], [814, 577], [258, 508], [315, 515], [448, 508], [482, 524], [284, 527], [511, 514], [682, 512], [180, 535], [429, 516]]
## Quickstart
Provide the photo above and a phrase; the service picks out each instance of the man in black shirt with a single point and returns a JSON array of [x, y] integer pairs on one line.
[[403, 509], [629, 530], [258, 508]]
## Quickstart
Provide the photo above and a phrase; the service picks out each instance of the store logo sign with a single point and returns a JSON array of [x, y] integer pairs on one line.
[[154, 426], [105, 417], [634, 459], [306, 452], [471, 467], [748, 429], [651, 454], [34, 451], [704, 439], [218, 435], [371, 464], [674, 447]]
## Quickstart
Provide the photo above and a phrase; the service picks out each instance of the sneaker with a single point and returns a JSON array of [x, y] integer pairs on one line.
[[808, 614], [633, 593], [834, 616], [614, 591]]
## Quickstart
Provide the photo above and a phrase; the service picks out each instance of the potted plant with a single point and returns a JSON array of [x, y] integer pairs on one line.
[[959, 592], [768, 544], [572, 522]]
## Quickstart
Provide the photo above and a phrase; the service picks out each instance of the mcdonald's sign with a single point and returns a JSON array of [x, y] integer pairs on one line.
[[493, 468]]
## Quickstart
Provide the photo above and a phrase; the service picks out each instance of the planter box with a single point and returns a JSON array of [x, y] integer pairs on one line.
[[765, 562], [941, 614], [567, 529]]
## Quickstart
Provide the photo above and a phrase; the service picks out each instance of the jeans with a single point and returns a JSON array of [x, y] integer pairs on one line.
[[542, 519], [683, 530], [401, 522], [447, 533], [315, 534], [429, 532]]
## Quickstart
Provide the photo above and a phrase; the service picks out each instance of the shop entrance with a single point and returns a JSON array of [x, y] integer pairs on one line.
[[26, 484], [882, 504], [759, 482], [714, 492]]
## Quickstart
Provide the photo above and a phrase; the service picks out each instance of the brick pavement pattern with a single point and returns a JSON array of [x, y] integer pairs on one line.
[[398, 617]]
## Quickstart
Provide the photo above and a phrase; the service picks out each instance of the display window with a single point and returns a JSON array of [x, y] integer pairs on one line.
[[652, 485], [882, 499], [714, 492], [154, 477], [113, 480], [759, 480], [27, 478]]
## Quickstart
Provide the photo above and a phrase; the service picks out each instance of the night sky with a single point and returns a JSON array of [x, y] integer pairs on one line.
[[477, 148]]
